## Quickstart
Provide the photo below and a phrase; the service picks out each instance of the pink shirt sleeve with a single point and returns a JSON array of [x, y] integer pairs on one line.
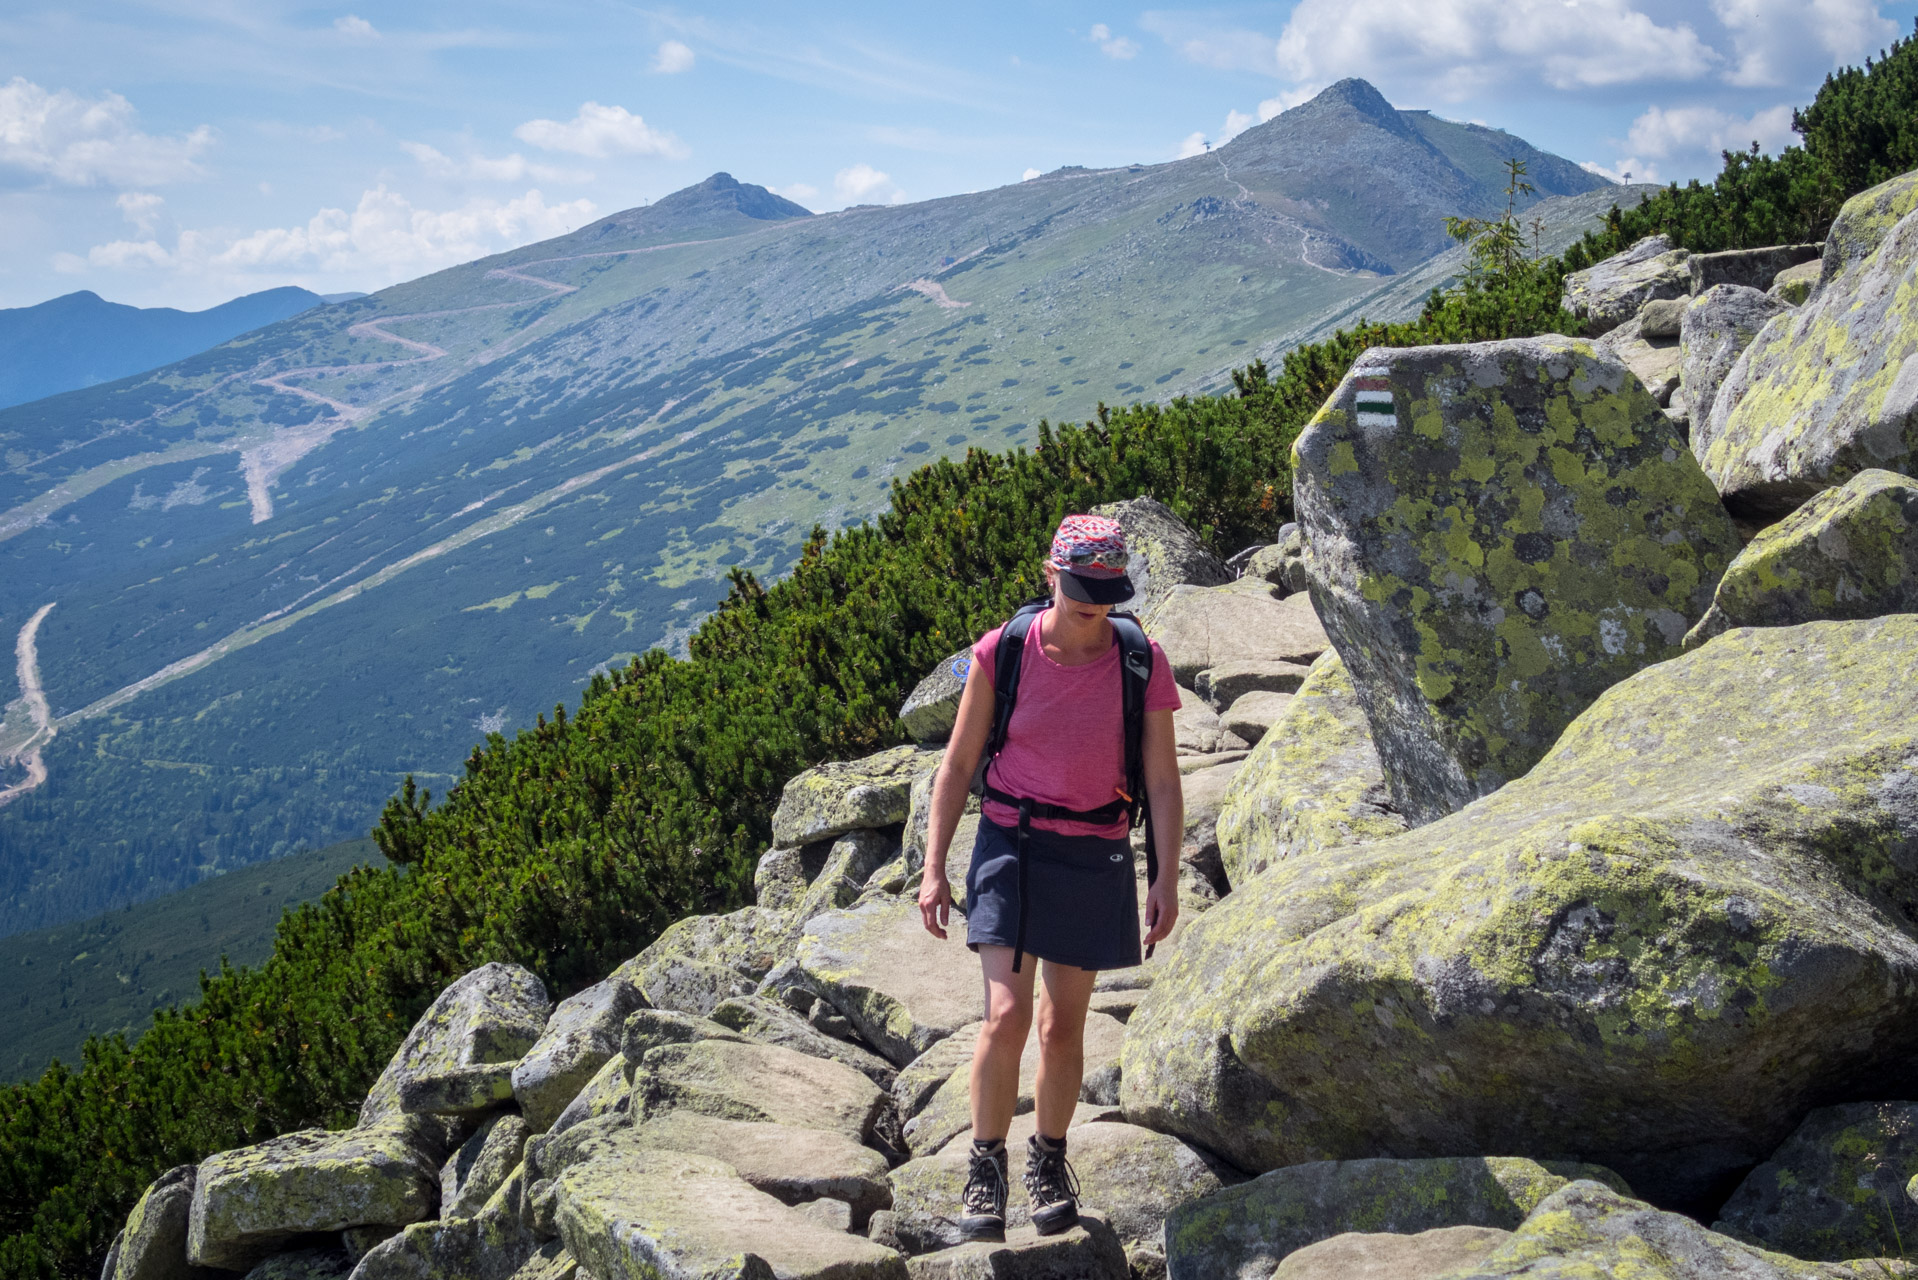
[[1161, 692], [985, 654]]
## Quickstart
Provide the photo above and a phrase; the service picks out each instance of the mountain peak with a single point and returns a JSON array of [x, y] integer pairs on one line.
[[724, 193]]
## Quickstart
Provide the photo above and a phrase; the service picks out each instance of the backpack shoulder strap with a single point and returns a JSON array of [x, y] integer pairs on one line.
[[1006, 666], [1135, 665]]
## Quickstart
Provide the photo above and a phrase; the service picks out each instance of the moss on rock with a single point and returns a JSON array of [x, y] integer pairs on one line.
[[1687, 924], [737, 1080], [1836, 1188], [831, 799], [903, 989], [1851, 552], [1497, 533], [582, 1033], [1313, 781], [1607, 294]]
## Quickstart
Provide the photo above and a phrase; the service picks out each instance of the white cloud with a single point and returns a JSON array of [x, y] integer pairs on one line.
[[1110, 45], [386, 237], [1454, 48], [1673, 132], [798, 192], [601, 131], [1028, 175], [673, 58], [859, 183], [355, 26], [1194, 145], [1779, 42], [1612, 175], [507, 168], [141, 208], [83, 141]]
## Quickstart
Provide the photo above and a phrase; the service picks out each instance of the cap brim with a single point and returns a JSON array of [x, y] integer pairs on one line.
[[1090, 590]]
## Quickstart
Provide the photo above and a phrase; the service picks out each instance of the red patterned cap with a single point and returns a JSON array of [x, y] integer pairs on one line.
[[1090, 553]]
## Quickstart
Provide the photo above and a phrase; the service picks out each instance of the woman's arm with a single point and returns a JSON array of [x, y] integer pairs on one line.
[[1163, 786], [949, 791]]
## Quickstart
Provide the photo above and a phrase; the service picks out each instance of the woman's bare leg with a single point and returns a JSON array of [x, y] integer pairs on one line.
[[995, 1062], [1062, 1045]]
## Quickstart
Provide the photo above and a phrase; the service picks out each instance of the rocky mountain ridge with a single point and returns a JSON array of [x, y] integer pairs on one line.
[[1561, 854]]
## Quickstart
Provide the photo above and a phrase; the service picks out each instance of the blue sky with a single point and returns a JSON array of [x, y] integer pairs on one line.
[[181, 152]]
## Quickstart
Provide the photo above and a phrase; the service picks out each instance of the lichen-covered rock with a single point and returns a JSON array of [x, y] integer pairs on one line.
[[1827, 390], [1835, 1189], [648, 1029], [932, 708], [919, 822], [629, 1211], [481, 1166], [1863, 224], [794, 1164], [1383, 1255], [1089, 1251], [315, 1263], [458, 1091], [850, 862], [1283, 563], [949, 1111], [1247, 1230], [1587, 1230], [489, 1246], [1607, 294], [581, 1035], [781, 876], [1498, 533], [1165, 552], [1793, 285], [492, 1015], [1253, 714], [1314, 781], [767, 1022], [1749, 268], [1717, 327], [1133, 1176], [609, 1092], [153, 1245], [1687, 924], [1205, 792], [903, 989], [247, 1203], [1851, 552], [1197, 729], [1226, 683], [1202, 627], [829, 800], [738, 1080], [1653, 360], [920, 1079], [701, 960], [1661, 318]]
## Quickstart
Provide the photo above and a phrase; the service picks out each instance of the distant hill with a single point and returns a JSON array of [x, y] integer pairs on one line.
[[290, 570], [81, 339], [111, 972]]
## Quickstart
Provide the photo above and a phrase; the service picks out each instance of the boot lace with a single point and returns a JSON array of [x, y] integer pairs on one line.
[[986, 1184], [1050, 1177]]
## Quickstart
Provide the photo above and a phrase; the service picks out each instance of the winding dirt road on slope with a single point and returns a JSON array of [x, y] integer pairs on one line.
[[33, 702]]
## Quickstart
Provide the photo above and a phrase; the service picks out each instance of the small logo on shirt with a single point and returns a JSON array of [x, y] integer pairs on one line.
[[1118, 857]]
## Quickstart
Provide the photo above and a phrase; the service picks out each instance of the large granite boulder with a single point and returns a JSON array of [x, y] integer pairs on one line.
[[787, 1161], [738, 1080], [1384, 1255], [481, 1166], [1313, 782], [1205, 793], [1283, 563], [248, 1203], [1717, 327], [1134, 1176], [1247, 1230], [1851, 552], [1827, 390], [1089, 1251], [1498, 533], [153, 1245], [948, 1113], [581, 1035], [1204, 627], [1607, 294], [1863, 223], [609, 1092], [769, 1022], [921, 1078], [490, 1016], [1748, 268], [631, 1211], [850, 862], [1654, 360], [1587, 1230], [1198, 730], [829, 800], [1226, 683], [1794, 284], [315, 1262], [1691, 921], [903, 989], [932, 708], [701, 960], [1836, 1188], [1253, 714], [1165, 552]]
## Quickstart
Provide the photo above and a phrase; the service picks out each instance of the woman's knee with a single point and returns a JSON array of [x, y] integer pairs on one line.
[[1061, 1034], [1007, 1019]]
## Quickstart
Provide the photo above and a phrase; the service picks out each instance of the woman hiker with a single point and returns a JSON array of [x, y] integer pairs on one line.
[[1051, 891]]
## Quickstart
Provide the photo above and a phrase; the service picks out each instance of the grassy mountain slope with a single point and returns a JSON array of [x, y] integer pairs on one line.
[[289, 571], [108, 974], [80, 339]]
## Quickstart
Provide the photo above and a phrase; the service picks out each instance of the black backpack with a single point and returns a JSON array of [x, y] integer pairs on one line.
[[1132, 804]]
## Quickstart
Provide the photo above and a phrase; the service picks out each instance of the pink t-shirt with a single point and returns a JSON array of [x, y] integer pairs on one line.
[[1066, 742]]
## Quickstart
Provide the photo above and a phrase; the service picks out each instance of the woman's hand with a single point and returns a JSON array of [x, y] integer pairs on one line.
[[1161, 905], [935, 902]]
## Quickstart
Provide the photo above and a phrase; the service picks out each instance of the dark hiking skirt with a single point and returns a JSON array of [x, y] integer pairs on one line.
[[1082, 905]]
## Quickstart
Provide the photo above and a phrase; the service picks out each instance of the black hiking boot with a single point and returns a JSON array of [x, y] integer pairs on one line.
[[1052, 1186], [983, 1212]]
